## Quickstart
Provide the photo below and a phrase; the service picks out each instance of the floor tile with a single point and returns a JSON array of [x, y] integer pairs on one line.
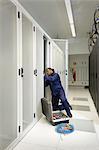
[[80, 98], [25, 146], [79, 140], [80, 107], [42, 134], [83, 125]]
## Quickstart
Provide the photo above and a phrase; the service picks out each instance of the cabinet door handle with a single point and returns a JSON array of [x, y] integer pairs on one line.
[[35, 72], [22, 72]]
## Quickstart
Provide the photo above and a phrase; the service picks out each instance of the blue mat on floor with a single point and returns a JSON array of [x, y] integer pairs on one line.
[[64, 128]]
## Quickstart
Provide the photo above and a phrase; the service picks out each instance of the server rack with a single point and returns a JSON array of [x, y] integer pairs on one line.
[[97, 55], [94, 74]]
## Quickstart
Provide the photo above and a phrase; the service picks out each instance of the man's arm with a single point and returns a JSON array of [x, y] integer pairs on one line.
[[51, 78], [46, 82]]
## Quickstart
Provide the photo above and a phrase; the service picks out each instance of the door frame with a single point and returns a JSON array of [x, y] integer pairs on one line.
[[66, 67]]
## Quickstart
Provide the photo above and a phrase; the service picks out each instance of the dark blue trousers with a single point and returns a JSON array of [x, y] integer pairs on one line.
[[65, 105]]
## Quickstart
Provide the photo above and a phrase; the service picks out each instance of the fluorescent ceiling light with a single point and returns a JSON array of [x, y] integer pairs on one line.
[[73, 30], [70, 17]]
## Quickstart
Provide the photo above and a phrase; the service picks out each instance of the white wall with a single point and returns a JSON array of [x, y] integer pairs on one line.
[[82, 69], [79, 53], [78, 46]]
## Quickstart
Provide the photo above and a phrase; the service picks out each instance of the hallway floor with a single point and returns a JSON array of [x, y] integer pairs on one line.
[[85, 121]]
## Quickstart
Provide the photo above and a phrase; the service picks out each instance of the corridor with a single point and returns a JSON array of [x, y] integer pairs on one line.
[[38, 39], [85, 121]]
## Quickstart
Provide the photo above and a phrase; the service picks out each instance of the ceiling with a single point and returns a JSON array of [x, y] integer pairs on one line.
[[51, 15], [83, 11]]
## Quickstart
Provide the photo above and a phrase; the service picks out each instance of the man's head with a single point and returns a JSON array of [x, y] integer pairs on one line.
[[49, 71]]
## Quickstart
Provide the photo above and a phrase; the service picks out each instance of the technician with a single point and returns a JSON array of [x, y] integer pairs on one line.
[[53, 80]]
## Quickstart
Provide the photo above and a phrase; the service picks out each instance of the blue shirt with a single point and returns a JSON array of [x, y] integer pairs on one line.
[[54, 82]]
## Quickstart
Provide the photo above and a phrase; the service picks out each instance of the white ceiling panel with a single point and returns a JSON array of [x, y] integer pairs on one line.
[[83, 11], [52, 16]]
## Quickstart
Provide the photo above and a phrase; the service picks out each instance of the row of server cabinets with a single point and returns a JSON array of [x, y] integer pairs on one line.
[[25, 50], [94, 74]]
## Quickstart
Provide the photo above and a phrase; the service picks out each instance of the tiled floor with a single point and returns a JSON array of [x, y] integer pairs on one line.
[[85, 136], [80, 108], [80, 99]]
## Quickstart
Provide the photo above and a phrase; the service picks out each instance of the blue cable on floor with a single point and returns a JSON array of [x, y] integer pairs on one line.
[[63, 129]]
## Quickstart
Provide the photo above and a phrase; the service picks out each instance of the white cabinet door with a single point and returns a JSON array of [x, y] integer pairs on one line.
[[27, 66], [8, 73], [40, 69]]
